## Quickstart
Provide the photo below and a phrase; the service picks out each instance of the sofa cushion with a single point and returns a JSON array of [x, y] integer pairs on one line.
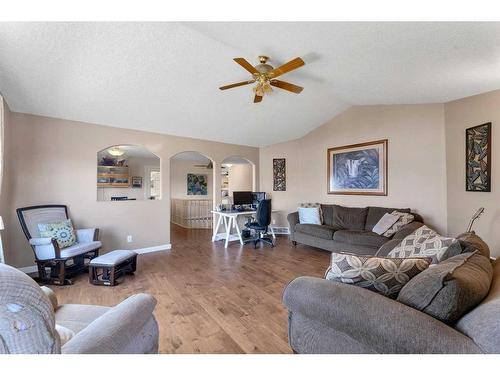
[[352, 218], [327, 211], [451, 288], [321, 231], [360, 237], [476, 323], [381, 275], [77, 317], [374, 214], [426, 242], [65, 334]]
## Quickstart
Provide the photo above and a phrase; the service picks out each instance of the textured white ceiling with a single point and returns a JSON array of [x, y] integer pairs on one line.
[[164, 77]]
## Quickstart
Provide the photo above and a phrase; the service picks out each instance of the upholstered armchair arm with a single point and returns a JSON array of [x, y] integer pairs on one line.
[[51, 296], [293, 219], [87, 235], [45, 248], [374, 321], [115, 329], [40, 241]]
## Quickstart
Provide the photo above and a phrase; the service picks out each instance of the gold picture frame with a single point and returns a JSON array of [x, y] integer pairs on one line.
[[358, 169]]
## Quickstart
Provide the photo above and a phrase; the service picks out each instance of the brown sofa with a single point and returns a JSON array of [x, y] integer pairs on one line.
[[348, 229]]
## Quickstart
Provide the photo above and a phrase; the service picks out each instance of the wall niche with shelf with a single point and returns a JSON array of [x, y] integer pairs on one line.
[[128, 172]]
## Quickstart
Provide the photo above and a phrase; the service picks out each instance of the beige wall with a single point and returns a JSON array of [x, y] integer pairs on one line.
[[55, 162], [240, 178], [5, 173], [416, 163], [459, 115], [178, 180]]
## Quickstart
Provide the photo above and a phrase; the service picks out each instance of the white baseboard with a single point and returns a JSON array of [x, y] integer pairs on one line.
[[29, 269], [33, 269], [153, 249], [281, 230]]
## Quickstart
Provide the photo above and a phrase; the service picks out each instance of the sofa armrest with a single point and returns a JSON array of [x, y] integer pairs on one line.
[[373, 320], [115, 329], [87, 235], [407, 230], [293, 219]]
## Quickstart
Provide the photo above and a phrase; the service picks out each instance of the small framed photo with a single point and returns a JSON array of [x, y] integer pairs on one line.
[[137, 182]]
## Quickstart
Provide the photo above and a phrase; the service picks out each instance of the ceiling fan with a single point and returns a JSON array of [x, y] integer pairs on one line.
[[264, 74]]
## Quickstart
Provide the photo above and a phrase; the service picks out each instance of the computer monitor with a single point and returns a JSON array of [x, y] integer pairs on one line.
[[241, 198], [258, 196]]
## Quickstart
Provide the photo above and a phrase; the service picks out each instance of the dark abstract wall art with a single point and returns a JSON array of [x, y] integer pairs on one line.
[[358, 169], [478, 158], [279, 174]]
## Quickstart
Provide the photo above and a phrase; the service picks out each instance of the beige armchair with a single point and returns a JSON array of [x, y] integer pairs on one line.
[[32, 321]]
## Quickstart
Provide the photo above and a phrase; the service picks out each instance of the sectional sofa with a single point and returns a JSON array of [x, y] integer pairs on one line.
[[331, 317], [348, 229]]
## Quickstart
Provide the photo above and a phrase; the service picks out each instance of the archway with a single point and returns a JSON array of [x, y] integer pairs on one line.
[[191, 190], [238, 174]]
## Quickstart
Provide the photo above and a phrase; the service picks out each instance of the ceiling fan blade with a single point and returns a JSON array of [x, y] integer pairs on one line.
[[286, 86], [236, 85], [246, 65], [288, 67], [257, 99]]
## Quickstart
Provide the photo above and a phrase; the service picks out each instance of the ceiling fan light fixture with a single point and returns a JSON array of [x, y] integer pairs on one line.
[[115, 151], [264, 75]]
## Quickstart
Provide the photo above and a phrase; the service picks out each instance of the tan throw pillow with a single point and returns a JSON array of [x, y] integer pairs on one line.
[[385, 276], [385, 222], [65, 334], [404, 219], [425, 242]]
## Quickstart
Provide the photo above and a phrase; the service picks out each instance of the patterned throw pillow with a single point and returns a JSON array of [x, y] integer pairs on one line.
[[62, 231], [404, 219], [313, 205], [382, 275], [425, 242]]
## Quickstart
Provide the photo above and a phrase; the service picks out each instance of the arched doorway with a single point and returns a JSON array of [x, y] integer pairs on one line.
[[191, 190], [238, 174]]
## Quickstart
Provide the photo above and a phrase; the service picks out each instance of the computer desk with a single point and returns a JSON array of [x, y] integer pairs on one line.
[[230, 220]]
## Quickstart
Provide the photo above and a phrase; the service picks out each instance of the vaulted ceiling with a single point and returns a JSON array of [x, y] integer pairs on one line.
[[164, 77]]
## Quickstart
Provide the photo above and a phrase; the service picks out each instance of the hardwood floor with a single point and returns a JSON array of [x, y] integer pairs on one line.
[[211, 299]]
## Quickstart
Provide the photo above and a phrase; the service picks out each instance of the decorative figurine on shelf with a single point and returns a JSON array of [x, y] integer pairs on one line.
[[474, 217]]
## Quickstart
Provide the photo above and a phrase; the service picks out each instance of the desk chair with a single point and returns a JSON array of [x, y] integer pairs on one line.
[[261, 224]]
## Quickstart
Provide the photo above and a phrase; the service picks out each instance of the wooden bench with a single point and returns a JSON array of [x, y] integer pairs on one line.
[[107, 268]]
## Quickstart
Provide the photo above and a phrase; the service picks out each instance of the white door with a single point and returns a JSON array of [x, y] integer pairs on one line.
[[152, 183]]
